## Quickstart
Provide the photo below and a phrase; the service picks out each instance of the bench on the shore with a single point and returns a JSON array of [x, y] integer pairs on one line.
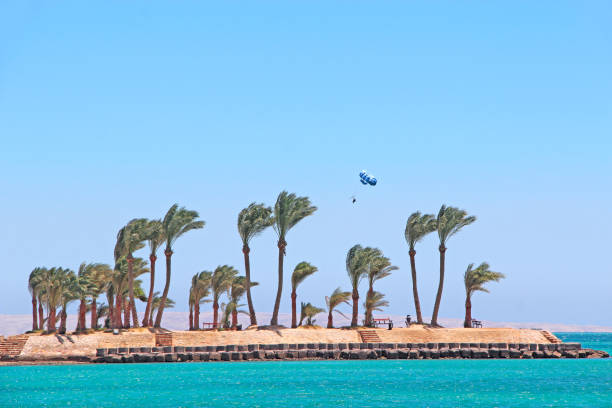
[[382, 321], [476, 324], [210, 325]]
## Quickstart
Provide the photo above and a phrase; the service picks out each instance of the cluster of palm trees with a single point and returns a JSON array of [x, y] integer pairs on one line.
[[54, 288]]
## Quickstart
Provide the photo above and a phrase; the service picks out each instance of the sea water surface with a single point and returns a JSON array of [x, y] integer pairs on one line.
[[376, 383]]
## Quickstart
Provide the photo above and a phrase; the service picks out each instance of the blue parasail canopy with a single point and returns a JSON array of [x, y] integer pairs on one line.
[[366, 178]]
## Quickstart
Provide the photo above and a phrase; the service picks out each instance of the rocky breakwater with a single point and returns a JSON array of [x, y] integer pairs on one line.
[[345, 351]]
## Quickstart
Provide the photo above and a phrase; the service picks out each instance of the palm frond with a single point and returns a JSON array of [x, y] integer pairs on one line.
[[301, 272]]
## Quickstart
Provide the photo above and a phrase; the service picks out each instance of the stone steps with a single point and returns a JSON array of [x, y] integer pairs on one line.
[[550, 337], [12, 346], [369, 336], [163, 339]]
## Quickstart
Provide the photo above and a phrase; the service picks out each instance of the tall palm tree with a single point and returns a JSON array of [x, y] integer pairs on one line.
[[175, 224], [333, 301], [308, 311], [221, 281], [130, 239], [154, 236], [450, 221], [251, 222], [301, 272], [120, 287], [288, 211], [34, 287], [357, 262], [374, 301], [417, 227], [474, 280], [200, 289], [378, 268]]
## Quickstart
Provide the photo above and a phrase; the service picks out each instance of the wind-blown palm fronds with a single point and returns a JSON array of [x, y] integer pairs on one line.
[[154, 235], [308, 312], [288, 211], [221, 281], [417, 227], [301, 272], [333, 301], [450, 221], [176, 223], [374, 302], [252, 221], [474, 280]]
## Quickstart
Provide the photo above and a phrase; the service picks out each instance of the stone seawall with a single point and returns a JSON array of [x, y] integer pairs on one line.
[[345, 351]]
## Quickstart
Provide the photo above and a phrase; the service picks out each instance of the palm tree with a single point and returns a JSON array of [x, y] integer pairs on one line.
[[130, 239], [71, 291], [154, 236], [417, 227], [84, 284], [120, 287], [449, 222], [474, 280], [288, 211], [357, 262], [308, 311], [34, 287], [221, 281], [200, 289], [378, 268], [101, 275], [301, 272], [237, 290], [53, 280], [333, 302], [374, 301], [251, 222], [176, 222]]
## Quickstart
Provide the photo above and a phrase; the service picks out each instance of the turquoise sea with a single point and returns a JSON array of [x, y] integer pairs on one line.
[[378, 383]]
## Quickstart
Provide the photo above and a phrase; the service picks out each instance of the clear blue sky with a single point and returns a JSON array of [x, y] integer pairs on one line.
[[115, 110]]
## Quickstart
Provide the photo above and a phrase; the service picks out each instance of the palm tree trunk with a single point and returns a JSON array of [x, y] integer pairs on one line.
[[293, 309], [415, 291], [355, 307], [34, 316], [94, 313], [118, 322], [63, 317], [126, 313], [330, 320], [234, 318], [281, 254], [434, 316], [132, 303], [82, 312], [162, 302], [215, 313], [145, 321], [190, 317], [41, 316], [247, 271], [51, 320], [134, 313], [196, 316], [368, 312], [467, 323]]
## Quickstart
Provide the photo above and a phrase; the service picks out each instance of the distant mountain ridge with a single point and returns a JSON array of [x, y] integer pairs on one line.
[[17, 324]]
